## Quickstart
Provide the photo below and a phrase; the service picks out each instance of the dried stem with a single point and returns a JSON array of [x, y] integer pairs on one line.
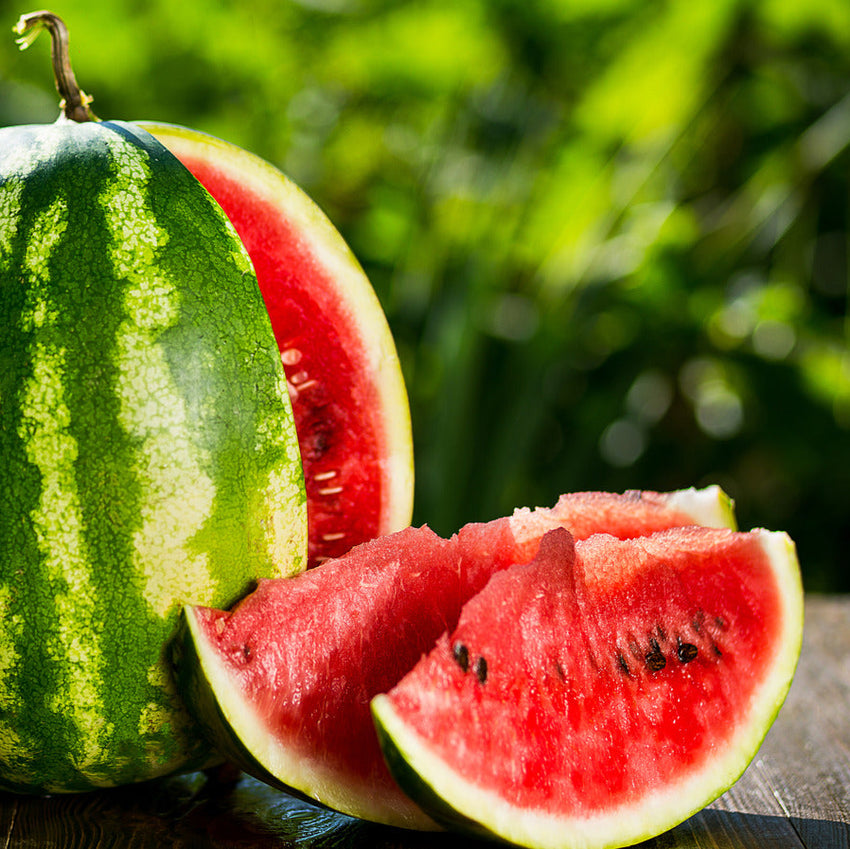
[[75, 102]]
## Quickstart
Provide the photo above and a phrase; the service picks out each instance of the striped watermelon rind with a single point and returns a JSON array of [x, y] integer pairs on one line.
[[147, 448], [359, 470]]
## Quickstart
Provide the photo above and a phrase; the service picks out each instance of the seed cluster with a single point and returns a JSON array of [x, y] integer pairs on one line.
[[654, 659], [460, 653]]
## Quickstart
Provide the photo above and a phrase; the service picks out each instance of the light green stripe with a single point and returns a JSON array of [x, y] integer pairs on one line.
[[11, 635], [170, 468], [57, 521], [46, 232], [283, 495], [10, 216], [58, 525]]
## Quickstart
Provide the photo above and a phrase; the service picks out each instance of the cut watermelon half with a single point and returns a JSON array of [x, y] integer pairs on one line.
[[603, 693], [348, 395], [282, 684]]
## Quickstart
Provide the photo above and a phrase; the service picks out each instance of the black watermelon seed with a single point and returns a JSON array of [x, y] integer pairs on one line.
[[481, 670], [621, 661], [687, 652], [461, 654], [655, 660]]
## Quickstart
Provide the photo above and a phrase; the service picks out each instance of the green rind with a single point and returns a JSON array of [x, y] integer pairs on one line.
[[418, 789], [147, 448], [232, 724], [353, 293], [193, 675], [451, 800]]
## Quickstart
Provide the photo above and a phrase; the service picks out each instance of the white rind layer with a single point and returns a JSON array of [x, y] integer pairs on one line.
[[244, 730], [710, 506]]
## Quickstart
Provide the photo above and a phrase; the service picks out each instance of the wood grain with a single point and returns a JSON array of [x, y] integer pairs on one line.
[[795, 795]]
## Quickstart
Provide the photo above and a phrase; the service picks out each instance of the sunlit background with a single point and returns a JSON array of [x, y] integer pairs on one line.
[[610, 236]]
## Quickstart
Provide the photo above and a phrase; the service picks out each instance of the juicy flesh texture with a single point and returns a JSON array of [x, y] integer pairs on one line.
[[655, 658], [373, 614], [339, 434], [312, 651], [515, 539]]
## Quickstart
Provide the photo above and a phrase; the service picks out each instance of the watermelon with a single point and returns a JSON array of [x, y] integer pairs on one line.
[[147, 448], [603, 693], [348, 394], [282, 684]]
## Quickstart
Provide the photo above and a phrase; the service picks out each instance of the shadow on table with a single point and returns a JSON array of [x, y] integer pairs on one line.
[[249, 813], [238, 812], [721, 829]]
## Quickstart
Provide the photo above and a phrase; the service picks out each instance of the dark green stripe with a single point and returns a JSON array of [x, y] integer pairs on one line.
[[19, 496]]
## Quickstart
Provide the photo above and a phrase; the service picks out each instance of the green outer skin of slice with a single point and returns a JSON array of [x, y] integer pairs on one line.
[[193, 670], [196, 690], [422, 792], [353, 294], [477, 812], [147, 449]]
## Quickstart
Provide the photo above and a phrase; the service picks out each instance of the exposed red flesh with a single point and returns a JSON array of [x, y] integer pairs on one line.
[[310, 652], [601, 709], [340, 437], [298, 681]]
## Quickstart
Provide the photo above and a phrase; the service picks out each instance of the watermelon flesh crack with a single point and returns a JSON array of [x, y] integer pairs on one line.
[[604, 692], [283, 683]]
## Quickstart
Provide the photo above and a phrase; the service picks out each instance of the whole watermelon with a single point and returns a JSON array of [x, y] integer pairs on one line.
[[148, 456]]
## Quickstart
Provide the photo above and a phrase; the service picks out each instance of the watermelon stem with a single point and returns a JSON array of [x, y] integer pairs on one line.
[[75, 102]]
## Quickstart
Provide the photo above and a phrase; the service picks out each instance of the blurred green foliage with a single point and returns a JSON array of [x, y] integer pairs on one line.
[[611, 237]]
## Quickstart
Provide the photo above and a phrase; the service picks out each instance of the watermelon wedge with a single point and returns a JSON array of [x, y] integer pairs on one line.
[[604, 692], [282, 684], [348, 395]]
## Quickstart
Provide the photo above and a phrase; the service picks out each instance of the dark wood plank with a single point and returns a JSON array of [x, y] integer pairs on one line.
[[8, 813], [795, 795], [806, 756]]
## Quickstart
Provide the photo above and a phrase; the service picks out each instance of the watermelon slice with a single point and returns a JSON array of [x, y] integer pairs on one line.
[[603, 693], [282, 684], [348, 395]]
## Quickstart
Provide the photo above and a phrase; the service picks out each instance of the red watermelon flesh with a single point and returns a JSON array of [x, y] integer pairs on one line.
[[604, 692], [340, 434], [514, 539], [283, 682], [348, 396]]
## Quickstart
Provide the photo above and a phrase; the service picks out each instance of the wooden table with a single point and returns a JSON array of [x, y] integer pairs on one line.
[[795, 794]]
